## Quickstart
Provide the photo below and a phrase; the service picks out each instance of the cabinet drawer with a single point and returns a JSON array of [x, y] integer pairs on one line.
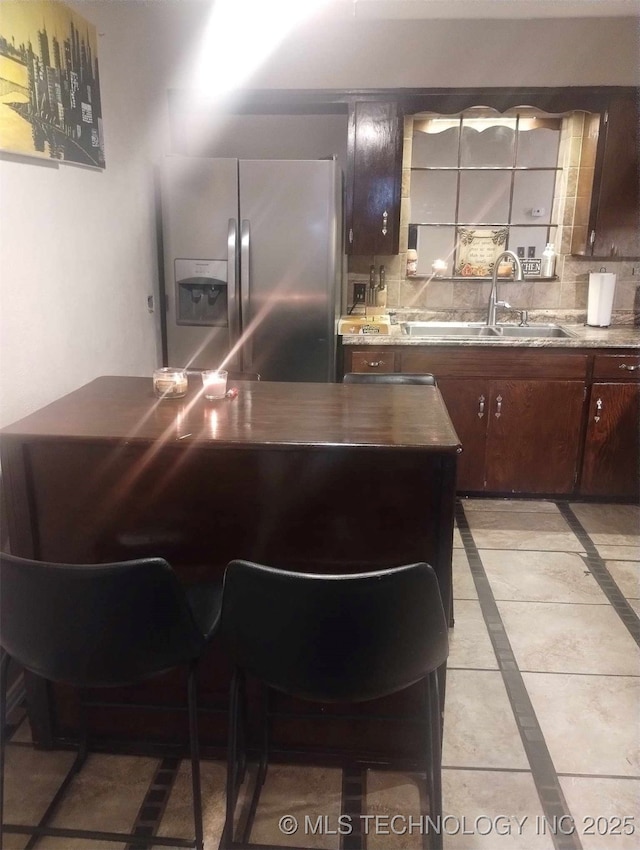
[[617, 367], [373, 361], [468, 362]]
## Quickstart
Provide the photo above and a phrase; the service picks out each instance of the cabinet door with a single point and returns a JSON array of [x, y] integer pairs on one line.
[[467, 400], [615, 202], [612, 457], [374, 178], [533, 436]]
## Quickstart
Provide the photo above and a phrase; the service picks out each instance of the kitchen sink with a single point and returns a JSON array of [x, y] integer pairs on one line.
[[532, 331], [480, 329], [458, 329]]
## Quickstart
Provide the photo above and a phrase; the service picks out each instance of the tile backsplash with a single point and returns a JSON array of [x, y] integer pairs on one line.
[[566, 296]]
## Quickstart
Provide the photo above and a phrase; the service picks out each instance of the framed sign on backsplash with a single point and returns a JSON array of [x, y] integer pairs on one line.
[[50, 82], [478, 249]]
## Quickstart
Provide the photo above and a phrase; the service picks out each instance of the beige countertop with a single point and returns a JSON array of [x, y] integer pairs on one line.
[[583, 337]]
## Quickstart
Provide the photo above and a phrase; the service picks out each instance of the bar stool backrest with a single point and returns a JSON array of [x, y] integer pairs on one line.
[[426, 379], [334, 638], [96, 625]]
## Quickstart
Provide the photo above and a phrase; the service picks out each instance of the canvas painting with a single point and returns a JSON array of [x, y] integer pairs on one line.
[[49, 83]]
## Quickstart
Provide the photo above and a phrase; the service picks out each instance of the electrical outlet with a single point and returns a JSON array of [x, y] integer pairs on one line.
[[359, 293]]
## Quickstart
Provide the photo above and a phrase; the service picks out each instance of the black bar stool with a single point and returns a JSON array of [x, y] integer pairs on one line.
[[332, 638], [106, 625]]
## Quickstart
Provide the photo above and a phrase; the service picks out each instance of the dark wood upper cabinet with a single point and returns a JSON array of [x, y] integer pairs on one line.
[[614, 218], [374, 177]]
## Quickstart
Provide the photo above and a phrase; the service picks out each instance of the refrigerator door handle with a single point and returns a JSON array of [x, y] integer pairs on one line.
[[245, 290], [233, 307]]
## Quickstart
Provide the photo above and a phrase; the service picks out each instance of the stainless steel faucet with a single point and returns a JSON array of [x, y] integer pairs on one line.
[[493, 295]]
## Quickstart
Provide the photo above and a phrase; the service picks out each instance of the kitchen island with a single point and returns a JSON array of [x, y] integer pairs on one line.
[[313, 477]]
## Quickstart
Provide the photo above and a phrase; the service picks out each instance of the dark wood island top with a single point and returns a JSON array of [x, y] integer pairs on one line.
[[263, 414]]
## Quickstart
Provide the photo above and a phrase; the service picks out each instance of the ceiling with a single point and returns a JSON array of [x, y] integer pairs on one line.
[[484, 9]]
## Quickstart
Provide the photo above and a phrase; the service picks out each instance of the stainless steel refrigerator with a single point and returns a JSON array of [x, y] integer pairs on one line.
[[252, 265]]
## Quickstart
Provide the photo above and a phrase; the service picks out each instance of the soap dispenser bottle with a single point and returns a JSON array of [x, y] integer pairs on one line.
[[548, 267]]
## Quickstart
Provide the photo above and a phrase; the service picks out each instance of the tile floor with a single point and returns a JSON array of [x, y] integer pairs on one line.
[[542, 719]]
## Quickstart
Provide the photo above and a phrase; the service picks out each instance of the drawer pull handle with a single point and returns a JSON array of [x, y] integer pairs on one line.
[[596, 418], [481, 407], [374, 363], [498, 413], [628, 368]]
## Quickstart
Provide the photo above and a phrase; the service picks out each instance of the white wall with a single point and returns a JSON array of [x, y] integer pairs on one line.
[[78, 250], [437, 53], [78, 247]]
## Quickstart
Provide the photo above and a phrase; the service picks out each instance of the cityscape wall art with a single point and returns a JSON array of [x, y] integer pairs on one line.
[[49, 83]]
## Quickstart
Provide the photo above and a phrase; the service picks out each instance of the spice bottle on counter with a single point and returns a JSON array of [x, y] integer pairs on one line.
[[548, 267], [412, 262]]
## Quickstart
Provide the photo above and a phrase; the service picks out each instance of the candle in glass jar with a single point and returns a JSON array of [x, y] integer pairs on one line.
[[439, 267], [170, 382], [215, 383]]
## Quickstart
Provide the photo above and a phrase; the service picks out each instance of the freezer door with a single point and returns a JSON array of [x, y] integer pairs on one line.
[[290, 235], [199, 199]]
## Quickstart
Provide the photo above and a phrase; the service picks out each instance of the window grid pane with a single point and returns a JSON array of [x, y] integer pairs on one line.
[[492, 191]]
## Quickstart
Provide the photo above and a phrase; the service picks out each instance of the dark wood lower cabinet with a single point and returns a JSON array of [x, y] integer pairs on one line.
[[533, 436], [611, 465], [518, 436], [532, 420]]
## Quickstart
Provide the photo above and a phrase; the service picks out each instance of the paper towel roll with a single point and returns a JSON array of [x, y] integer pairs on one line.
[[601, 288]]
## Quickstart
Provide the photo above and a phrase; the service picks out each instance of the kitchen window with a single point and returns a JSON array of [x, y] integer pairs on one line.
[[482, 182]]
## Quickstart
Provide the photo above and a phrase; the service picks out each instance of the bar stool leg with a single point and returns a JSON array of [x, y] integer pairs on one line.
[[194, 746], [4, 670], [232, 759], [435, 802]]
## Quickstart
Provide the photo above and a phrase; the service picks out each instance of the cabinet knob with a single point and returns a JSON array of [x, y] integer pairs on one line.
[[481, 407], [498, 412], [628, 368], [374, 363], [385, 218]]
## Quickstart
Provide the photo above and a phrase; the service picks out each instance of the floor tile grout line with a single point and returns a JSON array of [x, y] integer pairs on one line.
[[472, 767], [597, 567], [634, 777], [547, 672], [582, 673], [604, 604], [543, 771], [578, 552]]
